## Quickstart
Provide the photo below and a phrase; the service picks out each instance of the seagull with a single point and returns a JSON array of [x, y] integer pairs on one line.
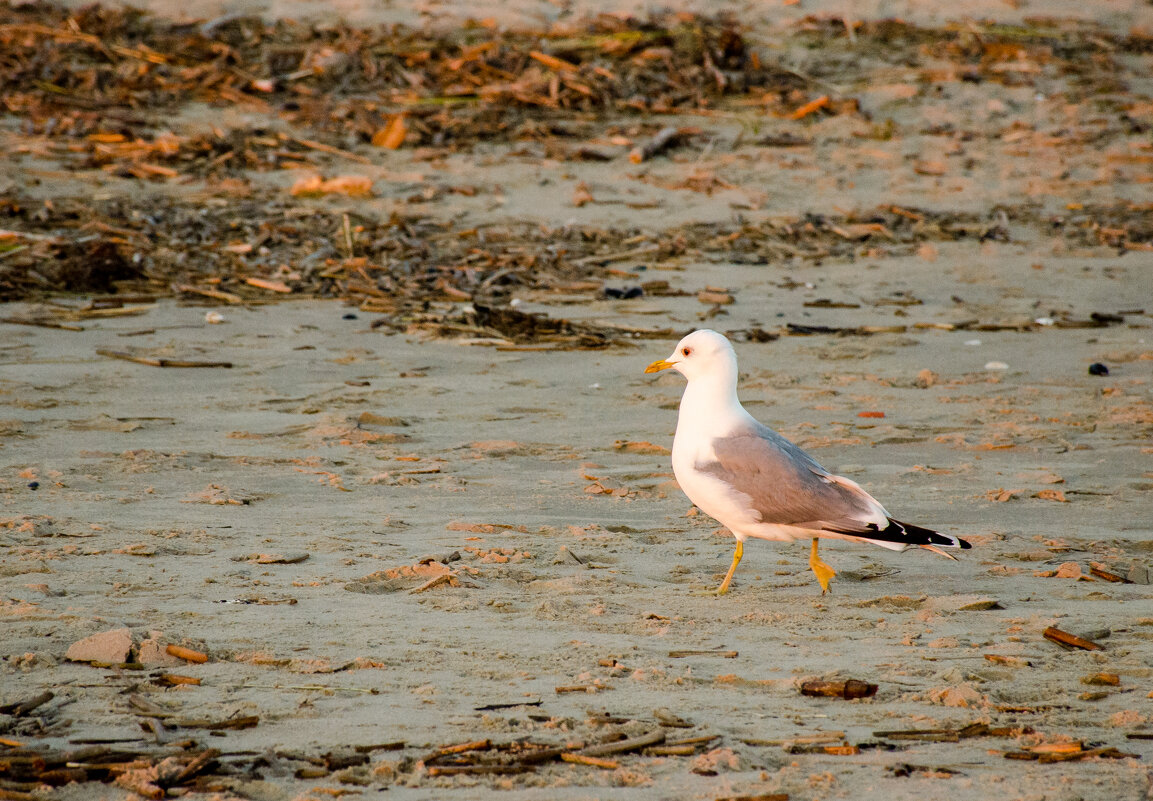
[[759, 484]]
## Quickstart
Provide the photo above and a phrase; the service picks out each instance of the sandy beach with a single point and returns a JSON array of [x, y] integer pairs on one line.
[[392, 527]]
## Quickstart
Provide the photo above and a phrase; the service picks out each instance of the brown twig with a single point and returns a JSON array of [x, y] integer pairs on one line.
[[155, 361], [1068, 640], [19, 709], [584, 759], [41, 323], [215, 294], [848, 689], [663, 140], [698, 652], [654, 737], [336, 151]]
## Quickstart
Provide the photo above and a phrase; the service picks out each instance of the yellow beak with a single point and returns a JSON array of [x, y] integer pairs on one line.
[[658, 365]]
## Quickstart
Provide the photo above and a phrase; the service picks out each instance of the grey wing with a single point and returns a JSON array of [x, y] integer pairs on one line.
[[789, 487]]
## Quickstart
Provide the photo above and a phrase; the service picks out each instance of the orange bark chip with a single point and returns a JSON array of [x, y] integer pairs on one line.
[[392, 135]]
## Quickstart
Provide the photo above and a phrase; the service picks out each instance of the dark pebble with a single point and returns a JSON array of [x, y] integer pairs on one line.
[[1096, 368], [624, 294], [349, 316], [33, 485]]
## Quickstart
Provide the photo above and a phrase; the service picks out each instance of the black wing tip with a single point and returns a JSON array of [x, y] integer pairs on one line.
[[907, 533]]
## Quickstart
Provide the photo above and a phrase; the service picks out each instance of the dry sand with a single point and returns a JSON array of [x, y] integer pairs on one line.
[[156, 490]]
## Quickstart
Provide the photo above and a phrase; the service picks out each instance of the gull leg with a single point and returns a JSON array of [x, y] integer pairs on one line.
[[737, 554], [822, 571]]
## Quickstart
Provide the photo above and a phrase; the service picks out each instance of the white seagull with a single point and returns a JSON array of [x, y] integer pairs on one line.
[[756, 482]]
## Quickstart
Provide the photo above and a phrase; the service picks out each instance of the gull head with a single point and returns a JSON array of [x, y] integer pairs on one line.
[[701, 354]]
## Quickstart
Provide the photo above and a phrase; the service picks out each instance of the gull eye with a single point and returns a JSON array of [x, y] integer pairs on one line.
[[686, 351]]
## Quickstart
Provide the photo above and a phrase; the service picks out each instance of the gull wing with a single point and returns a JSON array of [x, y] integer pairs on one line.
[[788, 487]]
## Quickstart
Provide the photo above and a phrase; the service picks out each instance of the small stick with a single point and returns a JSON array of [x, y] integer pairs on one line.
[[931, 735], [397, 745], [114, 311], [41, 323], [832, 750], [1100, 571], [346, 228], [143, 706], [508, 705], [552, 62], [1060, 637], [216, 294], [663, 139], [246, 722], [322, 688], [459, 748], [606, 258], [672, 750], [654, 737], [458, 770], [848, 689], [584, 759], [153, 361], [187, 654], [271, 286], [198, 764], [336, 151], [683, 654], [541, 755], [573, 688], [157, 728], [807, 109], [21, 708]]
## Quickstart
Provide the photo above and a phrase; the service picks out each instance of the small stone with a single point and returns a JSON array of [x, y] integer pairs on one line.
[[152, 652], [111, 647], [996, 366], [712, 762], [980, 606], [1140, 574], [1096, 368], [925, 379], [964, 696], [1102, 679]]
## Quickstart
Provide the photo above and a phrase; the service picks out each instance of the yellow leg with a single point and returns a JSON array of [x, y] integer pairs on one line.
[[822, 571], [737, 554]]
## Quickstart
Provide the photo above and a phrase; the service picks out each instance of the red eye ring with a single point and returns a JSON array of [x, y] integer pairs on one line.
[[686, 351]]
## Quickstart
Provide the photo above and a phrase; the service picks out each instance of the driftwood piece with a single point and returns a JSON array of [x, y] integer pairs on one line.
[[661, 141], [1068, 640], [654, 737], [21, 708], [585, 759], [848, 689], [156, 361]]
